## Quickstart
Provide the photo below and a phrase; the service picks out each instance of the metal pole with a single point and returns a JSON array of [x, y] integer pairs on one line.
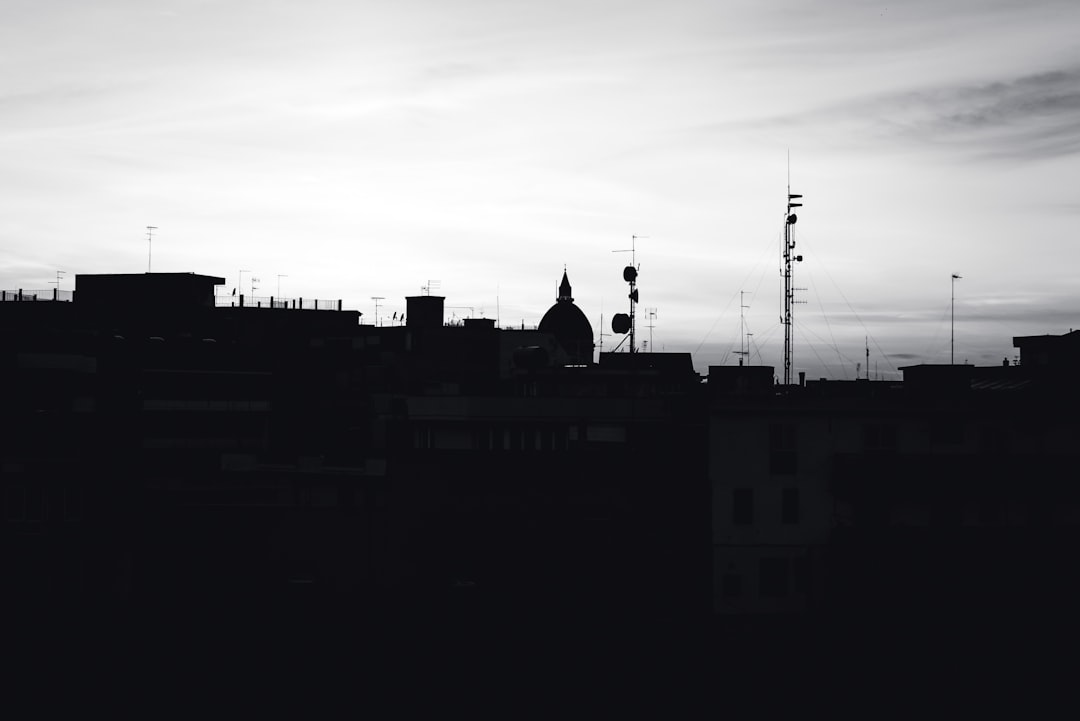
[[789, 292], [952, 320], [377, 298], [149, 244]]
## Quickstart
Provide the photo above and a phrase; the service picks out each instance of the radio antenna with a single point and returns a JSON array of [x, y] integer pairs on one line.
[[630, 273], [789, 291], [149, 244]]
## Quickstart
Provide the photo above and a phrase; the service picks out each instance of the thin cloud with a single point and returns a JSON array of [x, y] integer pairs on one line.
[[1028, 117]]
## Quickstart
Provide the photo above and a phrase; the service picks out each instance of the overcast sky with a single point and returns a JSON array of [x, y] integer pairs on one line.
[[364, 149]]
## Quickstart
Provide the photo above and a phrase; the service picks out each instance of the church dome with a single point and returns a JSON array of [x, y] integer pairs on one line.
[[569, 325]]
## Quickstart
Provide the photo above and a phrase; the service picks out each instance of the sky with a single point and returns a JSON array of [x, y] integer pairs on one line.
[[353, 149]]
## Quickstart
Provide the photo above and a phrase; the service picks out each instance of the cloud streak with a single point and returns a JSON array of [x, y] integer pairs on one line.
[[1024, 118]]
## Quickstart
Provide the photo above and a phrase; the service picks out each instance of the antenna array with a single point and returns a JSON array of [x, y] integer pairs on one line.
[[621, 322], [789, 291]]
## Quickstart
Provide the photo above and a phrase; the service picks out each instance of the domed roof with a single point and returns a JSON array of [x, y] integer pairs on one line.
[[569, 325]]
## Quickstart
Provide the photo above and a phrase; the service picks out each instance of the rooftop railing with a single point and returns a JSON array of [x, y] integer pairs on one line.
[[50, 294], [253, 301]]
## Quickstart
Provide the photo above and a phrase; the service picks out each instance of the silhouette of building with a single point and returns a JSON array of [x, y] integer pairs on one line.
[[167, 448], [568, 324], [164, 449], [942, 500]]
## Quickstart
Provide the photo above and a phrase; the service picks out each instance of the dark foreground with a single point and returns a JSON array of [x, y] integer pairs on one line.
[[303, 658]]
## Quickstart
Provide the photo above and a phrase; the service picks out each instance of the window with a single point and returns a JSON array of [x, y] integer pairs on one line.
[[482, 439], [949, 432], [879, 437], [945, 513], [605, 434], [452, 439], [773, 577], [783, 456], [15, 503], [72, 504], [742, 506], [790, 506], [731, 585], [24, 503], [800, 574], [994, 439]]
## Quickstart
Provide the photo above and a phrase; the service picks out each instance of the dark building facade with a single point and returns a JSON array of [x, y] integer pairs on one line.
[[161, 448], [942, 501]]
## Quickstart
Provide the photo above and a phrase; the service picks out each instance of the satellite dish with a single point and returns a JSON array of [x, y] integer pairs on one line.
[[634, 295], [620, 323], [629, 274], [792, 218]]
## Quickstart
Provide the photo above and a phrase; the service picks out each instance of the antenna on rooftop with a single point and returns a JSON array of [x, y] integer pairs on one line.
[[377, 298], [630, 274], [744, 337], [149, 244], [789, 291], [650, 314], [952, 319], [57, 281], [431, 285], [602, 333]]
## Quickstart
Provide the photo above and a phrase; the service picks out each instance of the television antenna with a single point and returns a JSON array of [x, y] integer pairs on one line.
[[744, 337], [57, 281], [602, 333], [377, 298], [650, 314], [472, 310], [431, 285]]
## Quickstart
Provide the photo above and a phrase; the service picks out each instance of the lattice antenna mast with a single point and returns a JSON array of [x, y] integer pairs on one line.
[[789, 292]]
